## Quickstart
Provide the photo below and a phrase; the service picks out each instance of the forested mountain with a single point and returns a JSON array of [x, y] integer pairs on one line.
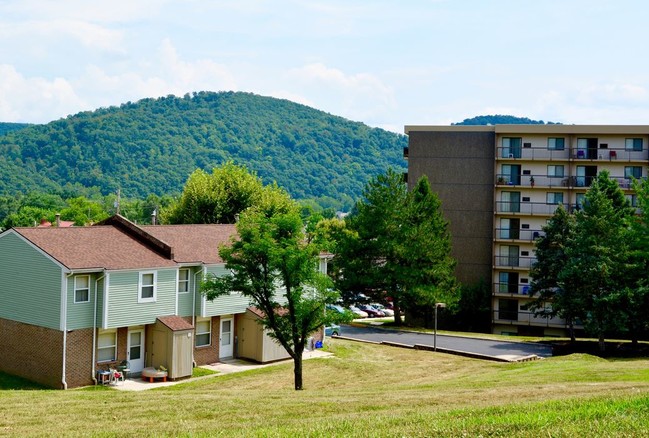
[[151, 146], [502, 120], [8, 127]]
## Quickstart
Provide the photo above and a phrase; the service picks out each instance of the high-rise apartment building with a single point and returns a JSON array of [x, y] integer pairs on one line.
[[499, 185]]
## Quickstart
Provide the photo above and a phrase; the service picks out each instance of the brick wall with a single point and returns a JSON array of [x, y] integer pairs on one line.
[[78, 361], [32, 352], [209, 354]]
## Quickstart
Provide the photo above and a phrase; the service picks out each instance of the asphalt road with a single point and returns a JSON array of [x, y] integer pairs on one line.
[[497, 349]]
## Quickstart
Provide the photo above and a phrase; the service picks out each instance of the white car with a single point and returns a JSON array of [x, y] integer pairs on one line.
[[382, 308], [358, 313]]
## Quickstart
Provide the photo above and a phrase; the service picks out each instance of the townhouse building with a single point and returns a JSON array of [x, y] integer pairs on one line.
[[499, 185]]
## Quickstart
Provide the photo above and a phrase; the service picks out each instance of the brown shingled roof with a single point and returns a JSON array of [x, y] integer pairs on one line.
[[193, 243], [175, 323], [96, 247]]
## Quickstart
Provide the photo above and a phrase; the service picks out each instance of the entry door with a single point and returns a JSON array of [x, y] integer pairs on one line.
[[135, 350], [226, 344]]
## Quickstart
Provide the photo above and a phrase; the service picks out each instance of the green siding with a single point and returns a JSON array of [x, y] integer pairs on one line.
[[185, 300], [224, 305], [31, 284], [123, 307], [80, 315]]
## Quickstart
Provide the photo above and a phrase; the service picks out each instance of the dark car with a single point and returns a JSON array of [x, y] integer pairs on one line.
[[372, 312]]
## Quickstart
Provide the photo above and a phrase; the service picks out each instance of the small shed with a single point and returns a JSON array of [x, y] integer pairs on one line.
[[254, 342], [172, 345]]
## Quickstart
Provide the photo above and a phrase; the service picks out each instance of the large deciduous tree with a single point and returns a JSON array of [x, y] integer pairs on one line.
[[273, 265]]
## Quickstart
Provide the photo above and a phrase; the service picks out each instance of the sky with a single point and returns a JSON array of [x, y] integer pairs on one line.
[[383, 63]]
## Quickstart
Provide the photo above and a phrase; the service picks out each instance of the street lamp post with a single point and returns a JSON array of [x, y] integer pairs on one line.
[[437, 306]]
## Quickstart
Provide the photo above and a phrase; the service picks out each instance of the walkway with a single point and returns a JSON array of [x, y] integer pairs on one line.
[[225, 367], [475, 347]]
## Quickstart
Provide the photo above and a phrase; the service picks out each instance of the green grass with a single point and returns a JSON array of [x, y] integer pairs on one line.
[[200, 372], [365, 390]]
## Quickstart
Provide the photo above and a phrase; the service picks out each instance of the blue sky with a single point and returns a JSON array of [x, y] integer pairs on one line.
[[384, 63]]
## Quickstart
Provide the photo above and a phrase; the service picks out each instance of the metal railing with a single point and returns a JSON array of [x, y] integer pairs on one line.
[[525, 318], [514, 261], [503, 179], [543, 153], [518, 234], [511, 289], [542, 208]]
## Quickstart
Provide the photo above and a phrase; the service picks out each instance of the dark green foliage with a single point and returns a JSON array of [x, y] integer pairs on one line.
[[502, 120], [473, 310], [8, 127], [153, 145]]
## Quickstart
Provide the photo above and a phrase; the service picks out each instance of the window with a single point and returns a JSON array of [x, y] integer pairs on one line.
[[508, 309], [183, 281], [633, 200], [633, 144], [555, 198], [147, 287], [556, 144], [555, 171], [511, 147], [82, 289], [633, 172], [203, 332], [107, 346]]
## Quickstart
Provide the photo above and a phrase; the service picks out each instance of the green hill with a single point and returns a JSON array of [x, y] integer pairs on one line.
[[8, 127], [151, 146], [499, 119]]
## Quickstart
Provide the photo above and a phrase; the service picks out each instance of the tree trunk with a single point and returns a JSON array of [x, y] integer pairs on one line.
[[571, 330], [297, 370], [397, 314], [602, 344]]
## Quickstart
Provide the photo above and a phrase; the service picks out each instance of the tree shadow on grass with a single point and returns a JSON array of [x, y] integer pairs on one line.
[[10, 382]]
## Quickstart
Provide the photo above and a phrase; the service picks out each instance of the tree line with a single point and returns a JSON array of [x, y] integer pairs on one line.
[[592, 265]]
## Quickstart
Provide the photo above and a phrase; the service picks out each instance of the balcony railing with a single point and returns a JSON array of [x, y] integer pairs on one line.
[[518, 234], [511, 289], [543, 153], [514, 261], [525, 318], [541, 208], [554, 181]]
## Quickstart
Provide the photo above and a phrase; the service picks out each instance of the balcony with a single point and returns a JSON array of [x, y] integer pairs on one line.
[[405, 152], [532, 153], [525, 318], [612, 154], [525, 235], [511, 289], [527, 208], [514, 261]]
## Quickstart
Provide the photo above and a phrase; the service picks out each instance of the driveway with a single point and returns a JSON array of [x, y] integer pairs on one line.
[[497, 350]]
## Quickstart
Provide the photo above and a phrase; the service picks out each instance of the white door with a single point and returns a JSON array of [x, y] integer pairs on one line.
[[135, 350], [226, 344]]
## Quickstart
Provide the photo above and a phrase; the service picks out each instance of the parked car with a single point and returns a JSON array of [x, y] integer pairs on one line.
[[335, 308], [332, 330], [371, 311], [358, 313], [382, 308]]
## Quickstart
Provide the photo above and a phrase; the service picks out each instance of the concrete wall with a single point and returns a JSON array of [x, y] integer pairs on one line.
[[460, 168]]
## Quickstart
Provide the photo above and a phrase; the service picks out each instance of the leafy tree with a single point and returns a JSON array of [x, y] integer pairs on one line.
[[28, 216], [83, 211], [397, 245], [270, 253]]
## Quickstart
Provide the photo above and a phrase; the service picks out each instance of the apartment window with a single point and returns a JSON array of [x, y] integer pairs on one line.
[[633, 200], [82, 289], [107, 346], [555, 171], [203, 332], [147, 287], [580, 199], [633, 144], [554, 198], [556, 143], [508, 309], [512, 147], [183, 281], [633, 172]]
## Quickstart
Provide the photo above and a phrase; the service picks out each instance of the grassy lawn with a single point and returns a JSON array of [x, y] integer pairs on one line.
[[365, 390]]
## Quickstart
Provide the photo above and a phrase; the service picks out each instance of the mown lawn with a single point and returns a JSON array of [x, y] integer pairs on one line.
[[365, 390]]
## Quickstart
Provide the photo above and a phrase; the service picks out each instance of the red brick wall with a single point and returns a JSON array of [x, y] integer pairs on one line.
[[78, 361], [32, 352], [208, 354]]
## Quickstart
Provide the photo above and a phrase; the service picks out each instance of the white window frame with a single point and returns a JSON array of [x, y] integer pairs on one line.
[[552, 143], [78, 289], [629, 144], [141, 285], [106, 347], [185, 281], [198, 334]]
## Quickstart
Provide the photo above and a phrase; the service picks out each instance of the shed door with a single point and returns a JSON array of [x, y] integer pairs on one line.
[[226, 341]]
